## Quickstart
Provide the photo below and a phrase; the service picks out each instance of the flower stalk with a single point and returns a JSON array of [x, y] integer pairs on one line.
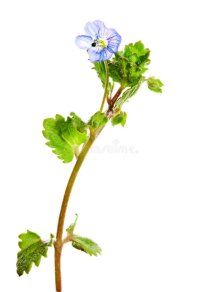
[[105, 96]]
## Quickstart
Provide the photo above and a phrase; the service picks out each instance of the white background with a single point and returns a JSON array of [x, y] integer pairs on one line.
[[141, 205]]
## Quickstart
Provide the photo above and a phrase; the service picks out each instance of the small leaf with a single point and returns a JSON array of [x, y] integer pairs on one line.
[[86, 245], [154, 84], [65, 136], [119, 119], [128, 93], [32, 249], [98, 120], [70, 229]]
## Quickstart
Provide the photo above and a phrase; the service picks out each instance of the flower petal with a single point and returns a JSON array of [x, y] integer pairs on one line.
[[113, 39], [101, 27], [105, 54], [95, 29], [100, 55], [94, 56], [83, 42]]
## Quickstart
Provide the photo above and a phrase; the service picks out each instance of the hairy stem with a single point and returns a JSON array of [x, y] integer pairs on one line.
[[115, 97], [59, 241], [106, 85]]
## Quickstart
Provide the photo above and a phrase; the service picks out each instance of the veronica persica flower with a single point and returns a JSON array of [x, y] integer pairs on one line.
[[100, 42]]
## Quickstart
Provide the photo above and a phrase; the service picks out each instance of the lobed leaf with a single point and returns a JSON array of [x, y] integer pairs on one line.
[[65, 136], [32, 250]]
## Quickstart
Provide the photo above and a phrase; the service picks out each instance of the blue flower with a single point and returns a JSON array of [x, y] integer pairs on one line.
[[100, 42]]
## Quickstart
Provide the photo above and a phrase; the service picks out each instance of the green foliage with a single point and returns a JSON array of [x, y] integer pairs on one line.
[[128, 93], [98, 120], [77, 122], [82, 243], [119, 119], [101, 72], [86, 245], [65, 136], [128, 66], [70, 229], [32, 249], [154, 84]]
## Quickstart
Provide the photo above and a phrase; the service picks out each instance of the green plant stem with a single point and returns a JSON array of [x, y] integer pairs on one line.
[[106, 85], [58, 244]]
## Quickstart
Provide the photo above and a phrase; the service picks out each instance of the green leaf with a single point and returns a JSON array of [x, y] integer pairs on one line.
[[119, 119], [128, 93], [82, 243], [86, 245], [98, 120], [70, 229], [128, 66], [32, 249], [65, 136], [154, 84], [101, 72]]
